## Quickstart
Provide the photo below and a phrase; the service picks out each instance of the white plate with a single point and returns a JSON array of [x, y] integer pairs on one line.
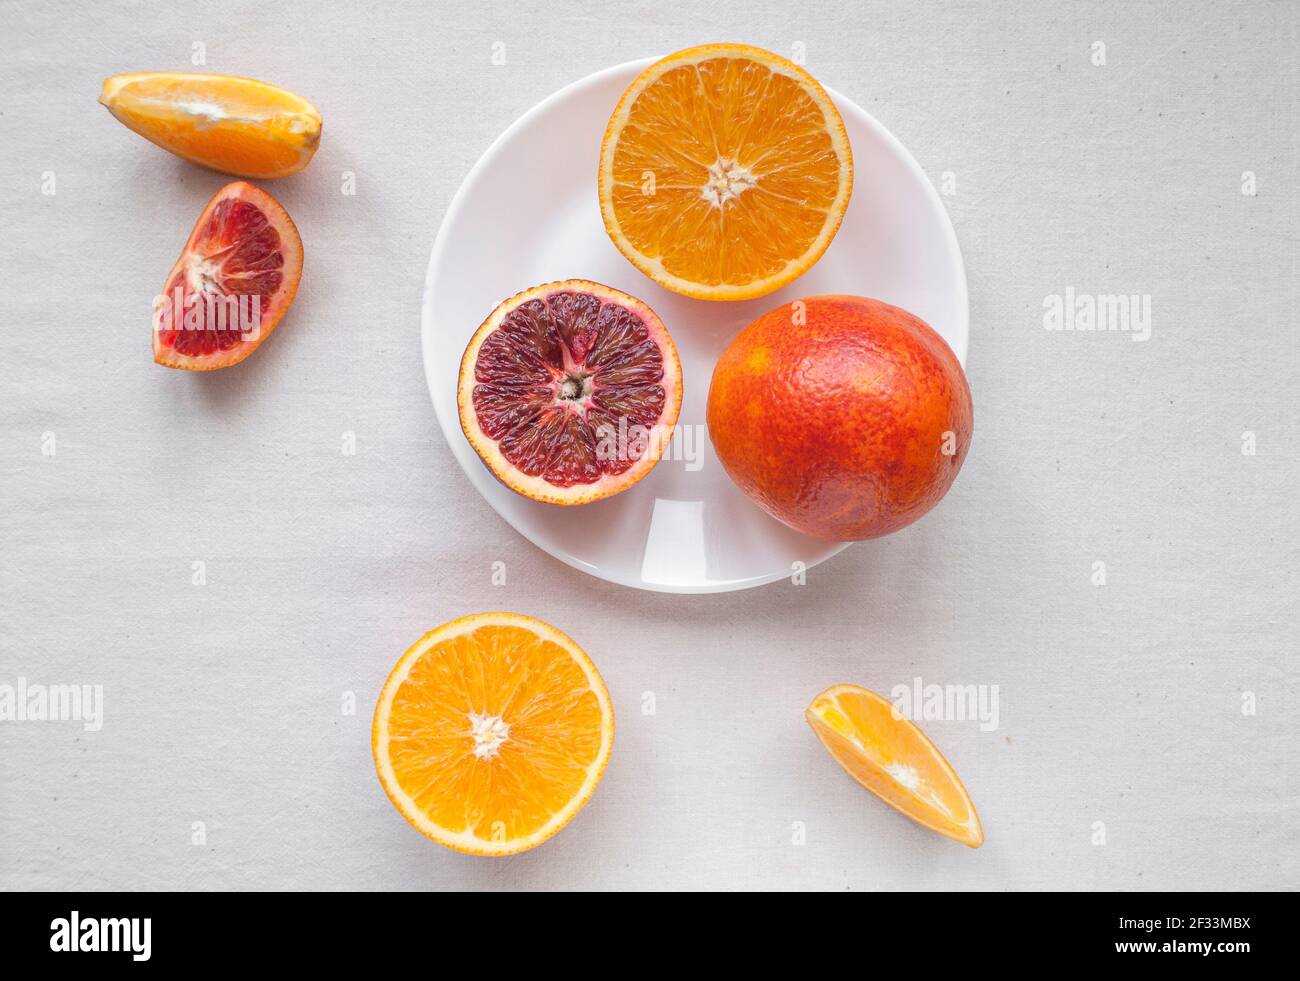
[[528, 214]]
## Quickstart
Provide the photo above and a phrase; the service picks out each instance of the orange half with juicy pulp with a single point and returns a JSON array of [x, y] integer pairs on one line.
[[492, 732], [725, 172]]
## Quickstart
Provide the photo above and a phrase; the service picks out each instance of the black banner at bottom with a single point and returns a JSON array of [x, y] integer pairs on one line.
[[143, 930]]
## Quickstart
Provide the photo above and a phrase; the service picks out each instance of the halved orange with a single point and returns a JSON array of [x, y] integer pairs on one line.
[[569, 391], [492, 732], [724, 172], [236, 125], [235, 279], [891, 757]]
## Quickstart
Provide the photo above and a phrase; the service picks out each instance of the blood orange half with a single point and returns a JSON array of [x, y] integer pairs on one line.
[[569, 391], [235, 278]]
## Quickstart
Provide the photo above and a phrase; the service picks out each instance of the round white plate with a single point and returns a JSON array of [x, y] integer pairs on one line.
[[527, 214]]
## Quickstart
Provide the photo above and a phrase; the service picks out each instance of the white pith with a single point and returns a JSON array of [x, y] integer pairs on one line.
[[489, 732], [205, 110], [203, 273], [464, 840], [728, 180], [904, 775]]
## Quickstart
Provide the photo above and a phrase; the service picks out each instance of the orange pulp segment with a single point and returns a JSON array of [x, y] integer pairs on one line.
[[236, 125], [892, 758]]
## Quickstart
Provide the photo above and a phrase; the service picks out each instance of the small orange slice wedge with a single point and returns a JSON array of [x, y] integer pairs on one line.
[[236, 125], [892, 758], [235, 279]]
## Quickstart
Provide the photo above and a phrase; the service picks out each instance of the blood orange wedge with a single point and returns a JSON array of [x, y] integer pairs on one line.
[[891, 757], [236, 125], [492, 732], [235, 279], [569, 391], [725, 171]]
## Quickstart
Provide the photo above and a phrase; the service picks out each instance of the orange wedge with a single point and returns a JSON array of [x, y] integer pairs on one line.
[[243, 256], [892, 758], [236, 125], [724, 172], [492, 732]]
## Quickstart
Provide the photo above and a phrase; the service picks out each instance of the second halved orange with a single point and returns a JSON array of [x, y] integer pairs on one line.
[[724, 172], [492, 732]]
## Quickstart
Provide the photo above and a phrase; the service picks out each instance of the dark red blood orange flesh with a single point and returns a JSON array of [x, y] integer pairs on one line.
[[237, 255], [233, 282], [569, 391]]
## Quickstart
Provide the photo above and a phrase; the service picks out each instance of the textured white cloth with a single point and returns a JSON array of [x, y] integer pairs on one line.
[[225, 757]]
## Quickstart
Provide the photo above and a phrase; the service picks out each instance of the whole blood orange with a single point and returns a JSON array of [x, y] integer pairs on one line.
[[235, 278], [843, 417], [569, 391]]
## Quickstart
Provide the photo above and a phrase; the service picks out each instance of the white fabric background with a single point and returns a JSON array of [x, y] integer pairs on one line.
[[1119, 704]]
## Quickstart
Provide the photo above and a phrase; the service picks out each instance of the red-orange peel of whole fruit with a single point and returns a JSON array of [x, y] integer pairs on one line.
[[842, 416]]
